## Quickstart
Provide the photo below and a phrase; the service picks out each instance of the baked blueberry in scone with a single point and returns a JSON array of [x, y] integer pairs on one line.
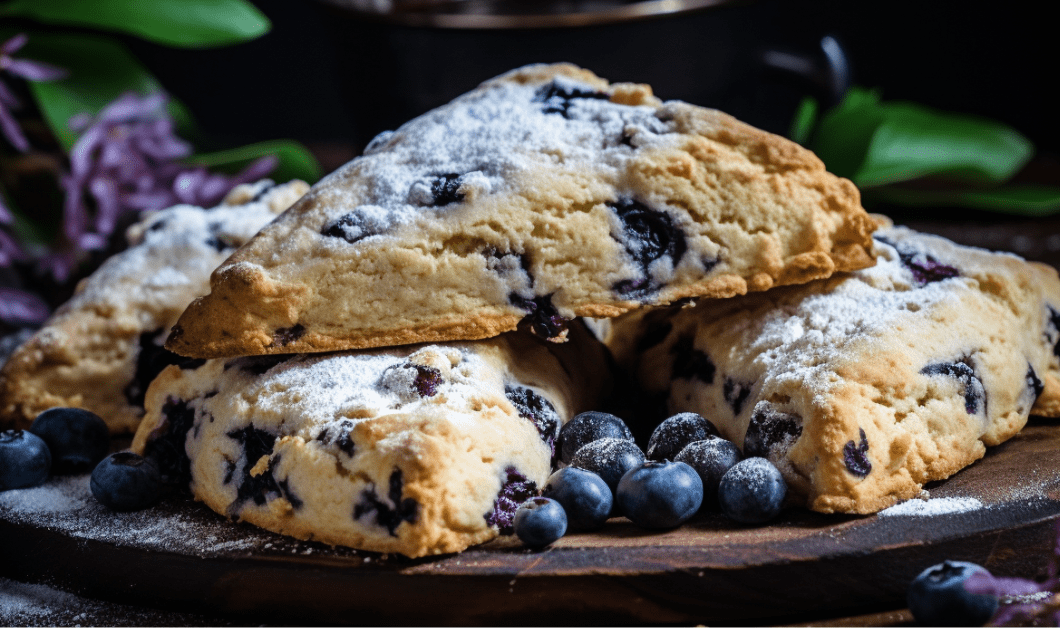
[[422, 449], [865, 386], [545, 194], [102, 348]]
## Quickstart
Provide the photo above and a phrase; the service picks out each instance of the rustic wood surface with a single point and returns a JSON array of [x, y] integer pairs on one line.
[[803, 567]]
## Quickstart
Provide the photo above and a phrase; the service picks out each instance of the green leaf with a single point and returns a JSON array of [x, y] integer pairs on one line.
[[845, 132], [1021, 200], [876, 143], [913, 141], [802, 123], [100, 70], [295, 160], [180, 23]]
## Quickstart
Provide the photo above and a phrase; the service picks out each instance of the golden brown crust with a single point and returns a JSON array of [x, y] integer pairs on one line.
[[554, 219]]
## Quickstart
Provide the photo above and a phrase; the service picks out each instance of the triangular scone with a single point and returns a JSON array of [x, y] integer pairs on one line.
[[101, 349], [542, 195], [861, 388], [419, 450]]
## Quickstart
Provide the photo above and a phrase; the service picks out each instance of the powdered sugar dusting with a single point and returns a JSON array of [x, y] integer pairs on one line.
[[488, 137], [932, 507]]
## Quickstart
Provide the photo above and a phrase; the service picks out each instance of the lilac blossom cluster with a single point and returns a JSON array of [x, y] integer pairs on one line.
[[1024, 601], [127, 160]]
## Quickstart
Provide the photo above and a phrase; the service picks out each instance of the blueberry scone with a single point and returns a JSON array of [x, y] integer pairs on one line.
[[542, 195], [419, 450], [101, 349], [863, 387]]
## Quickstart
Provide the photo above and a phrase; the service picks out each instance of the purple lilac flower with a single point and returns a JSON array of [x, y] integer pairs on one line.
[[18, 307], [22, 68], [1023, 600], [126, 160]]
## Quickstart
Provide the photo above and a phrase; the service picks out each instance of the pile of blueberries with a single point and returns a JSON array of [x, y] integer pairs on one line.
[[71, 441], [687, 466]]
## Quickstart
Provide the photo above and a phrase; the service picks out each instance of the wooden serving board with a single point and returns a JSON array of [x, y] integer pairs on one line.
[[804, 566]]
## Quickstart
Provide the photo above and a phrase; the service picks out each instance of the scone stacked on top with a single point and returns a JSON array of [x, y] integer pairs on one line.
[[543, 195], [863, 387], [103, 347]]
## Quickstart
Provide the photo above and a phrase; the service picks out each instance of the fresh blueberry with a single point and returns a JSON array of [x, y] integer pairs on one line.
[[937, 596], [126, 481], [24, 460], [660, 494], [78, 439], [610, 458], [711, 458], [540, 521], [587, 427], [752, 491], [673, 434], [584, 496]]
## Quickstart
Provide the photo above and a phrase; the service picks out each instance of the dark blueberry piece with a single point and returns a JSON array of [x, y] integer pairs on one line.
[[771, 433], [540, 521], [856, 456], [427, 380], [286, 335], [559, 96], [126, 481], [673, 434], [517, 488], [78, 439], [752, 491], [258, 364], [388, 515], [152, 359], [925, 268], [709, 263], [711, 459], [660, 494], [351, 227], [543, 318], [587, 427], [937, 597], [538, 410], [1033, 382], [584, 496], [24, 460], [285, 490], [166, 443], [690, 362], [648, 235], [974, 392], [217, 241], [341, 435], [1053, 336], [445, 188], [610, 458], [256, 443], [736, 393]]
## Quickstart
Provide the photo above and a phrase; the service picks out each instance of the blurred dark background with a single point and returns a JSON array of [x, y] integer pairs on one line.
[[334, 80]]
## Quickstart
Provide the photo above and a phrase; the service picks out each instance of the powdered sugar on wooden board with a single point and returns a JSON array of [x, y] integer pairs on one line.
[[66, 505], [932, 507]]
